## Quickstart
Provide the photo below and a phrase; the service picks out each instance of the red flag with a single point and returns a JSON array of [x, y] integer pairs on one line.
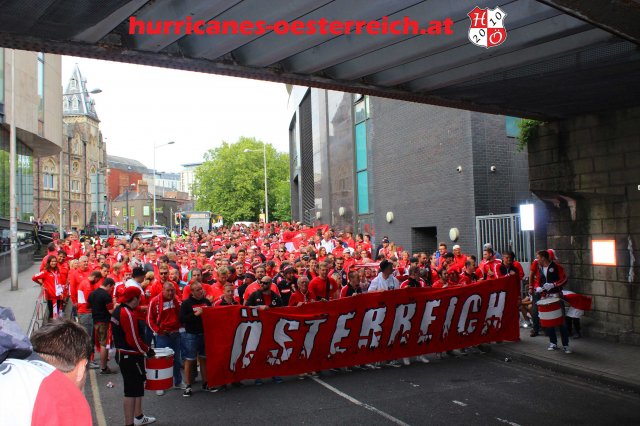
[[577, 301]]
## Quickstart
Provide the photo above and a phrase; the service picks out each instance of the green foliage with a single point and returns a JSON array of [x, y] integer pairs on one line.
[[230, 182], [528, 132]]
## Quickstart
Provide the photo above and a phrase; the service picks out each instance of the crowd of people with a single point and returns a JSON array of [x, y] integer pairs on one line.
[[145, 294]]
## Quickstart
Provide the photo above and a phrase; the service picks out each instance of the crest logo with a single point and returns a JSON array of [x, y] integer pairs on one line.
[[487, 27]]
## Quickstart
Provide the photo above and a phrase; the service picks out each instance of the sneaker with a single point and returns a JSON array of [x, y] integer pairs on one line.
[[395, 364], [145, 420], [182, 385], [258, 382], [277, 380], [406, 361], [552, 347], [187, 392], [423, 359], [159, 392], [217, 389], [93, 365], [107, 371], [567, 350], [372, 366]]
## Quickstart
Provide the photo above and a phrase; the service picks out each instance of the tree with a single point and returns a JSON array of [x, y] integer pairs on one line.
[[230, 182]]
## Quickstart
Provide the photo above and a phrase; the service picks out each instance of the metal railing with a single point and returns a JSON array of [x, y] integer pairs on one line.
[[40, 314]]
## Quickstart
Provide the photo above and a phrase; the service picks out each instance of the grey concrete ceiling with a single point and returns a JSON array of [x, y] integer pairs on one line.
[[561, 57]]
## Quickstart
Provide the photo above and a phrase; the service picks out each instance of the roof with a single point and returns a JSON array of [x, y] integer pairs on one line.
[[553, 63], [76, 98], [122, 163]]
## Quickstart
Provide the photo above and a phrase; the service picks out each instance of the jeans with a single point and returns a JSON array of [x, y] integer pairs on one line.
[[172, 340], [534, 312], [86, 321]]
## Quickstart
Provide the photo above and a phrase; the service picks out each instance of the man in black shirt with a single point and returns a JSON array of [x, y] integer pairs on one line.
[[101, 305], [265, 297], [193, 338], [286, 282]]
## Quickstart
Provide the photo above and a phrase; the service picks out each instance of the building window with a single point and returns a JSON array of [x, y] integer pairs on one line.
[[75, 185], [362, 176], [132, 211], [41, 93], [512, 126], [48, 181], [74, 103], [146, 211]]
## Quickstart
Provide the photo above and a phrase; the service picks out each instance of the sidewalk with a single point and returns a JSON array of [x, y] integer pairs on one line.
[[21, 301], [614, 364]]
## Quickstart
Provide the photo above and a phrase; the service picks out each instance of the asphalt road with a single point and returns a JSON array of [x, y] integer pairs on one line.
[[467, 390]]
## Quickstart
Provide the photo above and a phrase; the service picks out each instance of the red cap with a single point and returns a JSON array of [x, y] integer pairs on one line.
[[130, 293]]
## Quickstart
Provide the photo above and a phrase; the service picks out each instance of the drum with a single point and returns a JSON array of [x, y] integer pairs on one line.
[[160, 370], [550, 312]]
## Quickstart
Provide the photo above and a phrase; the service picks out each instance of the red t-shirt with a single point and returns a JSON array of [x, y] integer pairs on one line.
[[319, 287]]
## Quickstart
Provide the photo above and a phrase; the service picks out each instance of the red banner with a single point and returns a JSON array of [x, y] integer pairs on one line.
[[297, 238], [249, 343]]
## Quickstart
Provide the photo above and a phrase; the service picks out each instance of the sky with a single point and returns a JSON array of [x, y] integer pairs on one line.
[[141, 106]]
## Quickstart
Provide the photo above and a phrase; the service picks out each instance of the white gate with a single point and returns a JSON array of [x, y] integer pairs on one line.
[[503, 232]]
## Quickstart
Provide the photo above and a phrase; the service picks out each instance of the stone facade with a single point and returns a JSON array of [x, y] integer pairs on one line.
[[587, 172]]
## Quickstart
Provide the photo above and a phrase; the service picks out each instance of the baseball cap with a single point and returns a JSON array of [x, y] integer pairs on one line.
[[385, 240], [456, 247], [137, 272]]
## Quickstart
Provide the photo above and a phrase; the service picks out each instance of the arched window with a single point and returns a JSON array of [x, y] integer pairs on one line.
[[65, 103], [74, 103], [75, 219], [72, 84]]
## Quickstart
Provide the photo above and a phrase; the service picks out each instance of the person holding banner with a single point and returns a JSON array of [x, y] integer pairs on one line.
[[193, 337], [265, 297], [324, 287], [385, 279]]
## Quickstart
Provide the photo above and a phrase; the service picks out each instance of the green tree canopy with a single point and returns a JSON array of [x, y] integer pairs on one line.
[[230, 182]]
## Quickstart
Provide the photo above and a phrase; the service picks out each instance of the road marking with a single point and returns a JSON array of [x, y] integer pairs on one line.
[[97, 404], [507, 422], [460, 403], [360, 403]]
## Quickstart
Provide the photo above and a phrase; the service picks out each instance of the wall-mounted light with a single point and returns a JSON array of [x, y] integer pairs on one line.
[[318, 215], [527, 217], [341, 211], [603, 252], [454, 234], [493, 169], [459, 169], [390, 217]]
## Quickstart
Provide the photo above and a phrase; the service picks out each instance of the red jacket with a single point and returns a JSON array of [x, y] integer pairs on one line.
[[75, 277], [163, 316], [50, 280]]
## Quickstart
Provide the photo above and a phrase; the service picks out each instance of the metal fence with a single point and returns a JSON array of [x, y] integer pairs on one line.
[[503, 232], [40, 314]]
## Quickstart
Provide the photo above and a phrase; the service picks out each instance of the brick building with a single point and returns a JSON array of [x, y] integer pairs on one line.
[[82, 164], [122, 172], [410, 171]]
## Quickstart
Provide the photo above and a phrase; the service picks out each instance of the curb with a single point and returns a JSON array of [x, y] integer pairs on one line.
[[584, 373]]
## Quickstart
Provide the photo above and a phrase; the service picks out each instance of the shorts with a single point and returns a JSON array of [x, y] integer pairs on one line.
[[192, 346], [133, 374], [101, 330]]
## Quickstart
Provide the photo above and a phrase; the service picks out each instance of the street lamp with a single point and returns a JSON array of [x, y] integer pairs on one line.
[[133, 185], [154, 176], [266, 196]]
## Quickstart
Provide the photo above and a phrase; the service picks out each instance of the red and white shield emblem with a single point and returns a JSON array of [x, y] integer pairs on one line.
[[487, 27]]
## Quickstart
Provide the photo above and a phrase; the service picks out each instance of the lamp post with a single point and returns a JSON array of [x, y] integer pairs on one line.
[[266, 196], [133, 185], [155, 147]]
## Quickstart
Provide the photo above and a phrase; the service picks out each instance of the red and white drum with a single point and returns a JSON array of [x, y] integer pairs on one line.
[[160, 370], [550, 312]]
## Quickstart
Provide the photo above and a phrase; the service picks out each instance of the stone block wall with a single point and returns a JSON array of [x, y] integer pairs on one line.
[[587, 170]]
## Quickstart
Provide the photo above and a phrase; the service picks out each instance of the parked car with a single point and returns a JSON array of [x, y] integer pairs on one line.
[[154, 229], [46, 231], [147, 234], [103, 232]]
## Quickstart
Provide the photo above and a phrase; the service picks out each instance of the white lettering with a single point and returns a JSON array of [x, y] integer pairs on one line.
[[495, 309], [340, 333], [402, 322], [243, 345], [310, 337], [427, 320], [278, 356], [447, 321], [473, 302], [372, 328]]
